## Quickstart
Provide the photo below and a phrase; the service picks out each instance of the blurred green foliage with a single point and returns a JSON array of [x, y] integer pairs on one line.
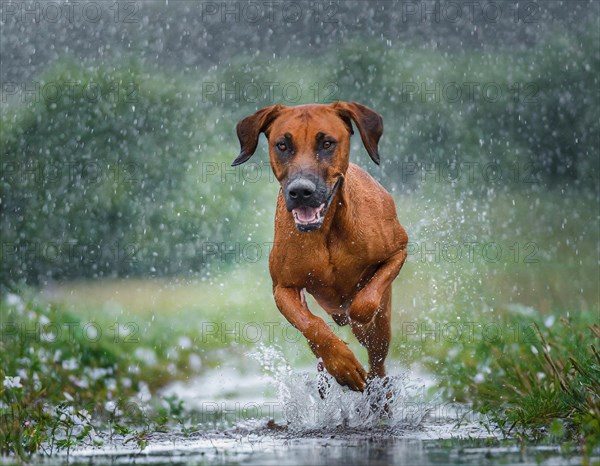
[[97, 183], [85, 178], [128, 175], [525, 107]]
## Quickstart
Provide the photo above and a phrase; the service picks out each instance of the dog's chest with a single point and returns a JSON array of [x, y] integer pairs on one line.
[[335, 283], [318, 265]]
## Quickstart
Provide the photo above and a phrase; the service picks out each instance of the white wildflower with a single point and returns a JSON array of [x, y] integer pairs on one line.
[[12, 382], [146, 355], [15, 301], [70, 364], [195, 362], [184, 342]]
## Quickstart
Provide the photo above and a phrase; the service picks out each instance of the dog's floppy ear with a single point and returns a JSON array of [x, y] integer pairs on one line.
[[250, 128], [368, 122]]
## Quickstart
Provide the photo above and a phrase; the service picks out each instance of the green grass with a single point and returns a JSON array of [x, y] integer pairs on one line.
[[553, 388], [64, 374], [535, 375]]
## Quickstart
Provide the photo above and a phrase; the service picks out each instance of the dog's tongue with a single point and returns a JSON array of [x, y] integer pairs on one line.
[[306, 214]]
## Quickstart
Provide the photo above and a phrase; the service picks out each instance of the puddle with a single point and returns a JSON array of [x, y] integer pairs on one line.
[[253, 443], [271, 414], [253, 446]]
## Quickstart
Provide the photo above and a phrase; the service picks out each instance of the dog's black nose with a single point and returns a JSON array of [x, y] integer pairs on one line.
[[301, 189]]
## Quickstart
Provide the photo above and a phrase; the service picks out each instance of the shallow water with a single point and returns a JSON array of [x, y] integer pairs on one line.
[[256, 446], [253, 443], [280, 416]]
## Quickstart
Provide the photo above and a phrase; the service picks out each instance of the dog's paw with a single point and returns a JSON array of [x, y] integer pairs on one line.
[[380, 394], [323, 385], [344, 367]]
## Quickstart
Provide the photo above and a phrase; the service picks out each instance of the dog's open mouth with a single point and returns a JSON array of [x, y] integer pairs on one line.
[[311, 218], [309, 215]]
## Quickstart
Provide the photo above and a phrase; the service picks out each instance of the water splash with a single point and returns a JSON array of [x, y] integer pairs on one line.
[[314, 400]]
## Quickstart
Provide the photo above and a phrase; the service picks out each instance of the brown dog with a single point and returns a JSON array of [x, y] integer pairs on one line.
[[337, 235]]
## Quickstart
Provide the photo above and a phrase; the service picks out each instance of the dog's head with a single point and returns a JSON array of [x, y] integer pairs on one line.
[[309, 148]]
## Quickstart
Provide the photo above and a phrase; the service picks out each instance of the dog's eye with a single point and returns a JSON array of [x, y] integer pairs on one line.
[[327, 145], [281, 146]]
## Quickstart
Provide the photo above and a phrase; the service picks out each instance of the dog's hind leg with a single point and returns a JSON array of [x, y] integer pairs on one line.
[[375, 335]]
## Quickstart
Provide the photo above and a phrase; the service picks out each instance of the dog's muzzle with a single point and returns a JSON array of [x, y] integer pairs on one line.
[[308, 201]]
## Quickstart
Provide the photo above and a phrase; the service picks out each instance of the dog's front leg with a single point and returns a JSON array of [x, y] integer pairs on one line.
[[339, 361], [368, 300]]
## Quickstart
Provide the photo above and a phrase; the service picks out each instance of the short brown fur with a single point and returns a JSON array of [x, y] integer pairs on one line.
[[349, 263]]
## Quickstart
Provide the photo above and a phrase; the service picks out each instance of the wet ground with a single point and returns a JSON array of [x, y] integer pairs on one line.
[[273, 415], [256, 444]]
